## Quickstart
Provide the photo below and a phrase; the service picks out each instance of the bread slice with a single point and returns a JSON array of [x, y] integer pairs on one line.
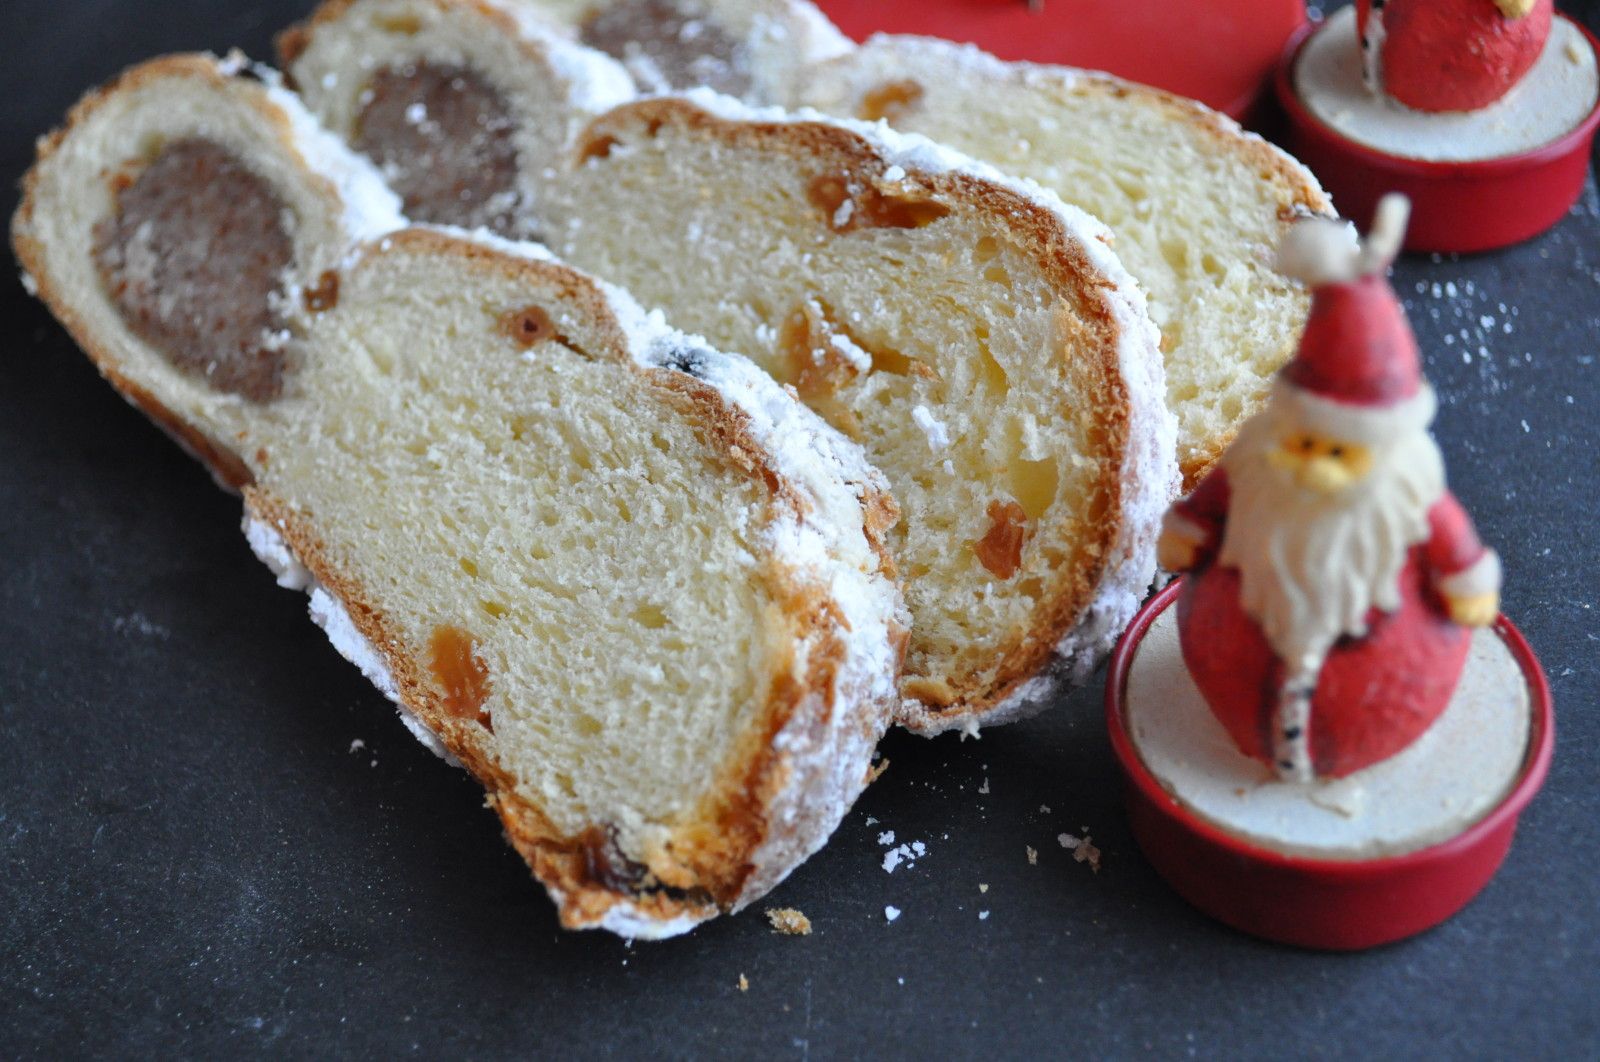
[[623, 579], [975, 335], [1197, 205]]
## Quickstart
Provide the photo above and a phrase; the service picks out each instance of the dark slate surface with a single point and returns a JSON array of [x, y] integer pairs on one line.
[[196, 859]]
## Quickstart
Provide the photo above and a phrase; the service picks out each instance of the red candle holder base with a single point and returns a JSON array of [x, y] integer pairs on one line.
[[1335, 904]]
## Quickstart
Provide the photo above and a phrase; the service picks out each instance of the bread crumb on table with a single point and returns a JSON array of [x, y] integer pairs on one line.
[[1082, 848], [744, 983], [788, 921], [1033, 856]]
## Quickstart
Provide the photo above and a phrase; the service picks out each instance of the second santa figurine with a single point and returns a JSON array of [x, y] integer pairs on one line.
[[1333, 576]]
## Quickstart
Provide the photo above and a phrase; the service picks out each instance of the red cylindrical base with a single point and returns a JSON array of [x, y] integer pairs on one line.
[[1319, 903], [1455, 206]]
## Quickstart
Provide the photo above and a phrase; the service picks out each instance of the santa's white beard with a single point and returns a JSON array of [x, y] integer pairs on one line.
[[1311, 565]]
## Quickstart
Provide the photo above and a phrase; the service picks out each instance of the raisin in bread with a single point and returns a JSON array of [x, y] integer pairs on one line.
[[1197, 204], [625, 580], [977, 336]]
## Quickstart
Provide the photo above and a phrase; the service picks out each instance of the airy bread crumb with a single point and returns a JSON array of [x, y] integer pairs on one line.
[[788, 921], [1082, 848]]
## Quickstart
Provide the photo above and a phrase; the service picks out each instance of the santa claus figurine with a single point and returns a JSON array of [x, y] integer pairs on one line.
[[1333, 578], [1450, 55]]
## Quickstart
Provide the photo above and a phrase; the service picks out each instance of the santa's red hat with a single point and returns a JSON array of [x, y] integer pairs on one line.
[[1357, 374]]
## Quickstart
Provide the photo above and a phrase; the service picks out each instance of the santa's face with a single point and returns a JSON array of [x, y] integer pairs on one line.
[[1320, 464], [1319, 525]]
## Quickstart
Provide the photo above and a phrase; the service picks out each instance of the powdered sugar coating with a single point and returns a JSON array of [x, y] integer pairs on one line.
[[820, 39], [270, 549], [931, 426]]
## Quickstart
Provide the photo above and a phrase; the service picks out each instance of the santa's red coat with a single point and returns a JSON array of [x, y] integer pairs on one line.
[[1375, 694], [1455, 55]]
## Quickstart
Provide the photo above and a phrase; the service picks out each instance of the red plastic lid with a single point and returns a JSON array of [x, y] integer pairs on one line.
[[1220, 52], [1318, 903]]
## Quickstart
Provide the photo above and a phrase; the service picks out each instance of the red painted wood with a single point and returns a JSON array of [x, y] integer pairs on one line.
[[1220, 52]]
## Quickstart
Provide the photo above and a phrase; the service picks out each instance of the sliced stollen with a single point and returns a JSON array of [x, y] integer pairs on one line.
[[978, 338], [1197, 204], [625, 580]]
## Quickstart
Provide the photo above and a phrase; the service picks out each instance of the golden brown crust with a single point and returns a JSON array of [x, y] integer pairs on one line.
[[292, 42], [1095, 359]]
